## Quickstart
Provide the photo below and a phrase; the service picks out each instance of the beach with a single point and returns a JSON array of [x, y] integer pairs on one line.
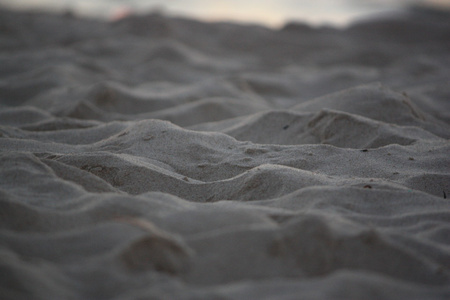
[[161, 157]]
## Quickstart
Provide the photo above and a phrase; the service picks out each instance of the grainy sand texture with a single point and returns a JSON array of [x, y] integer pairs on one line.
[[164, 158]]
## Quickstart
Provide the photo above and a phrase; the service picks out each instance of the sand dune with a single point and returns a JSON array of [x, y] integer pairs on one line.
[[166, 158]]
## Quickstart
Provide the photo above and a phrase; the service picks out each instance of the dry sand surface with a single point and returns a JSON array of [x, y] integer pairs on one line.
[[165, 158]]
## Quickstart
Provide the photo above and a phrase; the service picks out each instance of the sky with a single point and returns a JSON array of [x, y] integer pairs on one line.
[[272, 13]]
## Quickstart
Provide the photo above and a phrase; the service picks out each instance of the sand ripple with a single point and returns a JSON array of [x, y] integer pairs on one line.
[[164, 158]]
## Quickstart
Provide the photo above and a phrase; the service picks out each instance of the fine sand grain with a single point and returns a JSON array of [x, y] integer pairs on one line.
[[165, 158]]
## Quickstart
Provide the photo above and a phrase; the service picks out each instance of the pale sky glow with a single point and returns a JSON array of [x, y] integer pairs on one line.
[[270, 12]]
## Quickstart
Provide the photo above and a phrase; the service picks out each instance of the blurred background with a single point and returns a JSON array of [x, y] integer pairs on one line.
[[273, 13]]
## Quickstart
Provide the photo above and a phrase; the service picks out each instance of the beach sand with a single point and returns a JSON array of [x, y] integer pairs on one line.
[[164, 158]]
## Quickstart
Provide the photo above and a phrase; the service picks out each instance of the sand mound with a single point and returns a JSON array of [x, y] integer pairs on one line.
[[165, 158]]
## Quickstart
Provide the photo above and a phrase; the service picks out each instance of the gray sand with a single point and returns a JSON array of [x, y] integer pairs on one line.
[[165, 158]]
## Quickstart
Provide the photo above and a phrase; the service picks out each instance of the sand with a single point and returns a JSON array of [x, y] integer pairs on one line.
[[165, 158]]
